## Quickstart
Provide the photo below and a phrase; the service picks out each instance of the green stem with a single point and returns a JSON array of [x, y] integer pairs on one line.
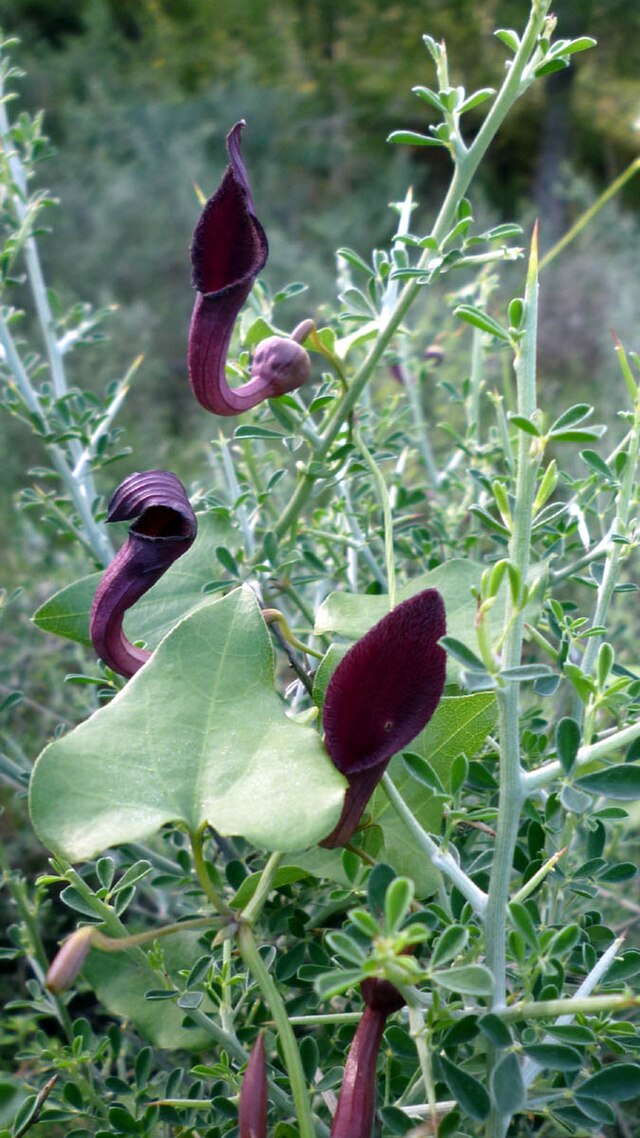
[[621, 522], [545, 775], [95, 534], [476, 378], [515, 83], [329, 1018], [594, 554], [233, 495], [511, 794], [252, 910], [439, 858], [532, 884], [575, 1005], [297, 1081], [105, 914], [414, 399], [383, 497], [200, 866], [590, 213], [530, 1068], [227, 1016], [81, 487], [134, 940], [354, 525], [278, 620], [417, 1031], [103, 426], [40, 962]]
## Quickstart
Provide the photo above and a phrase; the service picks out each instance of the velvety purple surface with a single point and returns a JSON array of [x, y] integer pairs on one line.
[[387, 687]]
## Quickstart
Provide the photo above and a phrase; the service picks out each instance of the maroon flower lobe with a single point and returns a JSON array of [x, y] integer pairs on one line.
[[381, 695], [252, 1108], [228, 250], [164, 527]]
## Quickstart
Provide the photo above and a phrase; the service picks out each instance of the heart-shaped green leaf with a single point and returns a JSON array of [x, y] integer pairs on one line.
[[460, 725], [198, 735], [121, 980], [352, 614]]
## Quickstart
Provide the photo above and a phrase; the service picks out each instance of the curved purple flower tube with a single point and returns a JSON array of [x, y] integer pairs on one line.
[[357, 1102], [164, 527], [228, 250], [381, 695]]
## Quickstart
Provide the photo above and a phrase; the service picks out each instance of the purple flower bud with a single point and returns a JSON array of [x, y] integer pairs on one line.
[[434, 353], [228, 251], [164, 526], [67, 964], [252, 1108], [381, 695], [281, 362]]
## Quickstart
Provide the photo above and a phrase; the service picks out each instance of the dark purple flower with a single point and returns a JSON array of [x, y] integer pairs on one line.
[[357, 1101], [381, 695], [228, 251], [164, 526], [252, 1108]]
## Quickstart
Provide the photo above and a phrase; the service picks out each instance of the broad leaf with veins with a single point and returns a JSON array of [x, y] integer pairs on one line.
[[198, 735]]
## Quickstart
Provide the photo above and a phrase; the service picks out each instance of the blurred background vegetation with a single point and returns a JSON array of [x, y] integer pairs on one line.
[[138, 96]]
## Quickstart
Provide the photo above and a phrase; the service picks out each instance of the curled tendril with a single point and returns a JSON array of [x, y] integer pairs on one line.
[[228, 250], [164, 527], [381, 695]]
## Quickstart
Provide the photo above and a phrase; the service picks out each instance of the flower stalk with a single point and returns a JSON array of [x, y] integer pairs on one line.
[[249, 951]]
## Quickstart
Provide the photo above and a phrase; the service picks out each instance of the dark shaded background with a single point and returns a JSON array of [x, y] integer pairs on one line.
[[138, 95]]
